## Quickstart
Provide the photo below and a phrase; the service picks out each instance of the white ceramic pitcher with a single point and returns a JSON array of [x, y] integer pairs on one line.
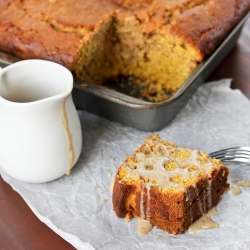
[[40, 131]]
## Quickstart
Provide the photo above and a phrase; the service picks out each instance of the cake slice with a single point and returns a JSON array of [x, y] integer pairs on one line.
[[168, 185]]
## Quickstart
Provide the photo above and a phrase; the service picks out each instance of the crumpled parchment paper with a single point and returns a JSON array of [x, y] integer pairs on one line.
[[78, 207]]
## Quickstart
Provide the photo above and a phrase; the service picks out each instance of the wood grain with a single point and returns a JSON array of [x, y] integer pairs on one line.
[[20, 228]]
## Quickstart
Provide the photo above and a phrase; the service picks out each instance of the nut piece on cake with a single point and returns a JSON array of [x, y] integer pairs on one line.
[[168, 185]]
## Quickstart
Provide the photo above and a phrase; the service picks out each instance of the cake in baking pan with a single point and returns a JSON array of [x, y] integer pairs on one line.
[[167, 185], [154, 44]]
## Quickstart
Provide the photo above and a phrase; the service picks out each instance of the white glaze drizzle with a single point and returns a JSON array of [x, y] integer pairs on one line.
[[160, 159], [198, 200], [205, 222], [145, 215], [69, 138], [143, 226], [236, 190], [189, 199], [209, 195], [244, 183], [148, 203], [142, 213]]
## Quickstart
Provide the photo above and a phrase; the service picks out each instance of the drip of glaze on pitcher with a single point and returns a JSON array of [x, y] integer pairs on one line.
[[69, 138]]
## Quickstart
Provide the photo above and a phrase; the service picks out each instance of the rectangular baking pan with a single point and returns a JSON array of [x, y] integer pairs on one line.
[[143, 115]]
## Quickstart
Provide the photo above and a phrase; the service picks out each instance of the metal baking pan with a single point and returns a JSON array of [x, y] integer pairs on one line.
[[143, 115]]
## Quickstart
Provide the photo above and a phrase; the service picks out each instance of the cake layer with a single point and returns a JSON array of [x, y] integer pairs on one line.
[[168, 185]]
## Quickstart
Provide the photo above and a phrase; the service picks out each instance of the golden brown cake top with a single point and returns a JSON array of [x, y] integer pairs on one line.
[[167, 166], [56, 29]]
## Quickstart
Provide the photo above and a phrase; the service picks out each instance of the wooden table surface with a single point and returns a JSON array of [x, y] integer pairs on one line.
[[20, 228]]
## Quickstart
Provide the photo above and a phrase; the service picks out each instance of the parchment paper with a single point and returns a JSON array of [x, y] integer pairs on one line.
[[78, 207]]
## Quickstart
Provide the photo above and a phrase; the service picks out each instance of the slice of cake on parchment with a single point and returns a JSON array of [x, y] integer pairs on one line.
[[168, 185]]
